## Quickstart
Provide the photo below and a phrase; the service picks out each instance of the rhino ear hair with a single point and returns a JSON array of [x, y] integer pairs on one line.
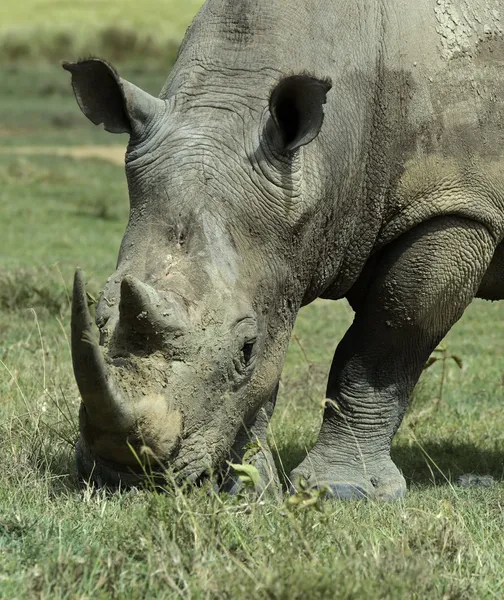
[[296, 106], [106, 98]]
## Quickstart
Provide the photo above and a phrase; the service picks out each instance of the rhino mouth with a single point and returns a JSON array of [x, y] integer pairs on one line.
[[104, 473], [92, 468]]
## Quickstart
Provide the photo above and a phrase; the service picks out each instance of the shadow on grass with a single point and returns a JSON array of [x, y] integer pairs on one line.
[[435, 463], [438, 463], [60, 469]]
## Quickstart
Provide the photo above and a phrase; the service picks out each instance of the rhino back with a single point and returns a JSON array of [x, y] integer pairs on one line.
[[413, 123], [451, 53], [289, 36]]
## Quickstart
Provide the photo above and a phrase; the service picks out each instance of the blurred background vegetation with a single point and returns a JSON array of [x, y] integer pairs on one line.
[[49, 30], [36, 101]]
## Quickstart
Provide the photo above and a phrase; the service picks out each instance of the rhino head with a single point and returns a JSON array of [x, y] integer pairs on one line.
[[194, 323]]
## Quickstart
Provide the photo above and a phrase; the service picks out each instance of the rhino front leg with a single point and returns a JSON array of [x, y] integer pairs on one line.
[[251, 447], [405, 304]]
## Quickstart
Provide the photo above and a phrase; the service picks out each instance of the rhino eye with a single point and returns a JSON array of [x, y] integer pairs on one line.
[[247, 351]]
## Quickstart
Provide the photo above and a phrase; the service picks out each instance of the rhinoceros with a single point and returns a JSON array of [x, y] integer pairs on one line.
[[298, 150]]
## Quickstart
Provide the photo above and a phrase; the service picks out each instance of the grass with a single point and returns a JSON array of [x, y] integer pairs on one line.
[[39, 30], [170, 16], [58, 540]]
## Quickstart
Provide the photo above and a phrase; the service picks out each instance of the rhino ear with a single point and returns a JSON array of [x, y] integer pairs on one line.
[[296, 106], [106, 98]]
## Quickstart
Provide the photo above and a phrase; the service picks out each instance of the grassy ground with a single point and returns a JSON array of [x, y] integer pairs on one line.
[[38, 30], [58, 540]]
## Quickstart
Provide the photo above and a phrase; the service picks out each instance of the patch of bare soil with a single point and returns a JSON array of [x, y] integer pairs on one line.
[[113, 154]]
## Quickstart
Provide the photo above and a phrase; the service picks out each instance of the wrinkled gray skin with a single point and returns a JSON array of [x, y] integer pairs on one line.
[[256, 188]]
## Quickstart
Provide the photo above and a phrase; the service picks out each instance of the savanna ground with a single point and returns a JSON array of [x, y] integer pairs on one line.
[[63, 203]]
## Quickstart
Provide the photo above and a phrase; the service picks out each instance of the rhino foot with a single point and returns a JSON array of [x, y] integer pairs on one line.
[[376, 480]]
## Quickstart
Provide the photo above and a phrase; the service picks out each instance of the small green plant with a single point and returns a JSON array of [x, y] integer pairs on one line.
[[247, 473], [307, 497], [251, 449], [91, 300]]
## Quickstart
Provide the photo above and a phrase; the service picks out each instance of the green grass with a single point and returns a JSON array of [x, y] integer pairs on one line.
[[58, 540], [42, 30], [160, 15]]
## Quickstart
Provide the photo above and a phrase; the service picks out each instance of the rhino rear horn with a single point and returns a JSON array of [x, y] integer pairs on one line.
[[143, 310], [140, 306], [106, 98]]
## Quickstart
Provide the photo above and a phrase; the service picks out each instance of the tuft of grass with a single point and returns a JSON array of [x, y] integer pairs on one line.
[[32, 288]]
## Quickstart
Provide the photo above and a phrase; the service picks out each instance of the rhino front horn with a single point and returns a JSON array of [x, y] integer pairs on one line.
[[102, 400]]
